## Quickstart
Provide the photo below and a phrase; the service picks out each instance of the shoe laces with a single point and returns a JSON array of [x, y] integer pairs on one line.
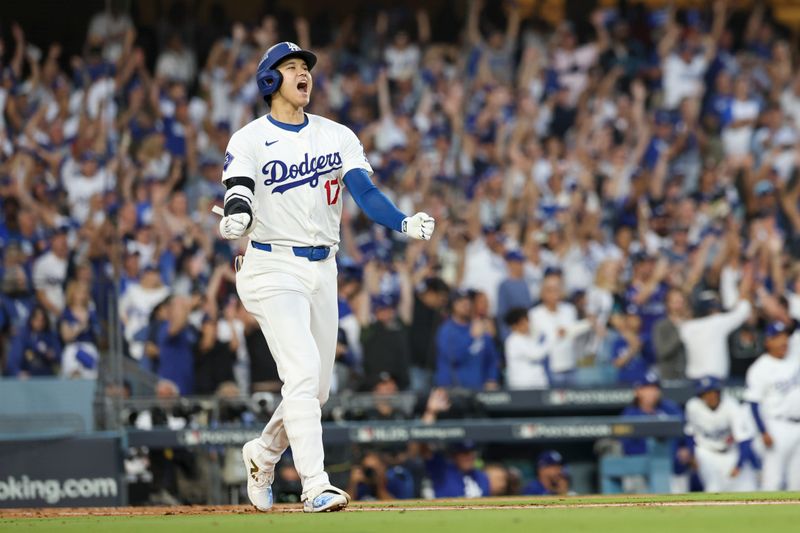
[[260, 477]]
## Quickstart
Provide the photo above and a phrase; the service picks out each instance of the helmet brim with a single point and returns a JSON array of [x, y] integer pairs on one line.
[[305, 55]]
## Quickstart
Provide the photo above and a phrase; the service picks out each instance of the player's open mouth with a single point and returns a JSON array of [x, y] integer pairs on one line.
[[302, 86]]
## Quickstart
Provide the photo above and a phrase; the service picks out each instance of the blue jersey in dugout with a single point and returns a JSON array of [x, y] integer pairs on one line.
[[638, 446], [449, 482]]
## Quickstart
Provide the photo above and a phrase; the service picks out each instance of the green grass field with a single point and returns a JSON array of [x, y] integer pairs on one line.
[[681, 514]]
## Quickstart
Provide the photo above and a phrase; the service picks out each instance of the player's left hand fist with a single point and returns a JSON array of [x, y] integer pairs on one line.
[[419, 226], [235, 225]]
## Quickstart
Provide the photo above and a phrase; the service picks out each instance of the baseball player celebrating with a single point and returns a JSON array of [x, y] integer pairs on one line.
[[284, 174], [715, 425], [773, 390]]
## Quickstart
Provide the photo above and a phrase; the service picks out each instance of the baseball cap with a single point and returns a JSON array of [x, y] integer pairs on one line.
[[663, 117], [438, 131], [382, 377], [61, 229], [642, 256], [553, 271], [707, 302], [460, 294], [489, 172], [650, 378], [707, 383], [382, 301], [631, 309], [435, 284], [658, 209], [514, 255], [491, 228], [776, 328], [549, 458]]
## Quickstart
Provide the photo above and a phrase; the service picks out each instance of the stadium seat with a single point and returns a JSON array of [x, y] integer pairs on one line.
[[655, 467]]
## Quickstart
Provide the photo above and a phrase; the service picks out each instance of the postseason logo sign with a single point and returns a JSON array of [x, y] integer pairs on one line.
[[403, 434], [572, 431]]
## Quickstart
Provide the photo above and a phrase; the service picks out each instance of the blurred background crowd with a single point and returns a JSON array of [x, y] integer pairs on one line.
[[615, 194]]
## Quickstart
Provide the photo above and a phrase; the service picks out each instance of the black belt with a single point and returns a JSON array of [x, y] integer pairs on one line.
[[312, 253]]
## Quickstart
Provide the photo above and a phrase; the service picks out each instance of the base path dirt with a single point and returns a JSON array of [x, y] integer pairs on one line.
[[423, 505]]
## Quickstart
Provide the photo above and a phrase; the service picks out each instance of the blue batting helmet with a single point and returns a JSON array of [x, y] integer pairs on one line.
[[268, 77]]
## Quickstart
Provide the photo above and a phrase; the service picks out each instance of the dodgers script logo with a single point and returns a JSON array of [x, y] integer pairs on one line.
[[307, 171]]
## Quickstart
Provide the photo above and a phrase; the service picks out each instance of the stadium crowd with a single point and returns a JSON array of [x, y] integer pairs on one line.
[[613, 196]]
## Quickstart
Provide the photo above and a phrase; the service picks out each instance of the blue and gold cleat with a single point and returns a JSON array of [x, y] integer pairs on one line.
[[326, 498]]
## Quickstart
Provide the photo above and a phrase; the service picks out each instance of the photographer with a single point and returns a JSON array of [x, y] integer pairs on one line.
[[368, 479], [552, 476]]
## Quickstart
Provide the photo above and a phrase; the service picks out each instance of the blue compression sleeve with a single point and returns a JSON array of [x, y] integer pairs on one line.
[[746, 455], [372, 201], [757, 417]]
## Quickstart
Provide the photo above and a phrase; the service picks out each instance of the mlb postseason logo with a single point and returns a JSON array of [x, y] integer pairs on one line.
[[228, 160]]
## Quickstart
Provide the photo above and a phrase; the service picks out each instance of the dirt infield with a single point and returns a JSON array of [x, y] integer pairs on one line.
[[421, 505]]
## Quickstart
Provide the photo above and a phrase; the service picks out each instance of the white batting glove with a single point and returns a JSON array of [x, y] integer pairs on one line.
[[235, 226], [419, 226]]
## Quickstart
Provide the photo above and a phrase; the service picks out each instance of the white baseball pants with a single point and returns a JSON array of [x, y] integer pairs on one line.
[[715, 470], [295, 303], [781, 463]]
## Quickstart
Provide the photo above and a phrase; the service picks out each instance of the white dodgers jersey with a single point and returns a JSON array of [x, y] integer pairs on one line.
[[717, 429], [775, 385], [298, 173]]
